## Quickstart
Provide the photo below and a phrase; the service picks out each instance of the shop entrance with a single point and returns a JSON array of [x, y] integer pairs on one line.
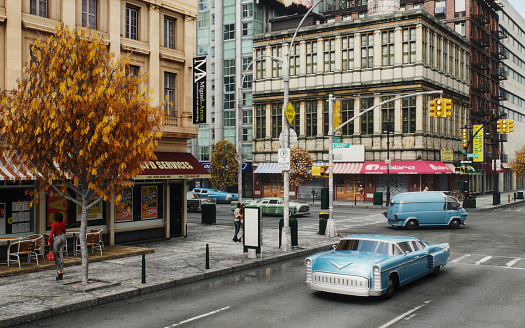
[[347, 187], [176, 193], [272, 186]]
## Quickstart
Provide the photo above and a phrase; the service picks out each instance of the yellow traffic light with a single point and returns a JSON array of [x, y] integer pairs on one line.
[[503, 126], [433, 108], [337, 116], [448, 107], [316, 170], [439, 107], [510, 125], [464, 137], [498, 126]]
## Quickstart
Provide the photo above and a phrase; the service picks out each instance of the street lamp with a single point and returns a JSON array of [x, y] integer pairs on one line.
[[387, 129], [238, 132]]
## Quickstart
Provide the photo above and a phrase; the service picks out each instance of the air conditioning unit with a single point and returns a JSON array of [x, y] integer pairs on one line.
[[440, 11]]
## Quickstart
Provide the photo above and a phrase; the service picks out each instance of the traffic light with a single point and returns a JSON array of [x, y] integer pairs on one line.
[[464, 137], [433, 108], [503, 126], [510, 126], [337, 116], [448, 107], [498, 126], [316, 171], [439, 108]]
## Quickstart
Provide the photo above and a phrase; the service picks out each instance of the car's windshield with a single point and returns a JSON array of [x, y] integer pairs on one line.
[[363, 246]]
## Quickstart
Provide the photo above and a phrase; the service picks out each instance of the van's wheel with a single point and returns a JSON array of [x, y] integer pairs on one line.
[[191, 208], [391, 288], [411, 225], [454, 224]]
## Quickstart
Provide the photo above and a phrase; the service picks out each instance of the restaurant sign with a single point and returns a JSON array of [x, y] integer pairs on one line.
[[199, 90], [477, 143]]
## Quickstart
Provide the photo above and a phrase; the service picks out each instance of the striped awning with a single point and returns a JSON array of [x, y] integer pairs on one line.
[[11, 170], [267, 168], [347, 168]]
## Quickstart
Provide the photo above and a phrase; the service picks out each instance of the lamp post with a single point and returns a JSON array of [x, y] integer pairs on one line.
[[386, 128], [238, 132], [286, 233]]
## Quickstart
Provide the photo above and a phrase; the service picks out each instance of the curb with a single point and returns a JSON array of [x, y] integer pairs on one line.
[[131, 292]]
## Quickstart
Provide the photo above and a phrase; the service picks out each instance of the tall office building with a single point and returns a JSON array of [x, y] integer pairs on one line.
[[513, 67]]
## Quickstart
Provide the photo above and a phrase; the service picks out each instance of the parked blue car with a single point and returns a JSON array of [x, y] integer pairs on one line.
[[220, 196], [374, 265], [413, 209]]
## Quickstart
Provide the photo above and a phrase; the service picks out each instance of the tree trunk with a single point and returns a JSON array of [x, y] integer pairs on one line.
[[83, 241]]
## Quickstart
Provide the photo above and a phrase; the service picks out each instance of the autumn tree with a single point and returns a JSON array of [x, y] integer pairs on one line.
[[300, 166], [223, 165], [78, 122], [518, 165]]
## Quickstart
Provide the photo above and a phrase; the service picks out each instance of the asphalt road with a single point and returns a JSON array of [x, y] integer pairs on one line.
[[480, 287]]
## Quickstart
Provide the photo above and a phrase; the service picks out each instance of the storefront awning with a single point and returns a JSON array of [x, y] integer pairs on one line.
[[173, 166], [267, 168], [347, 168], [11, 170], [406, 167]]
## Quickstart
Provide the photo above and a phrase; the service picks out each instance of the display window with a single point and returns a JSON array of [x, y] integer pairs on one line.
[[140, 203], [72, 212], [16, 213]]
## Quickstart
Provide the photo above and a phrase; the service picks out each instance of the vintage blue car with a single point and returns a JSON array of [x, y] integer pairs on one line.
[[220, 196], [374, 265]]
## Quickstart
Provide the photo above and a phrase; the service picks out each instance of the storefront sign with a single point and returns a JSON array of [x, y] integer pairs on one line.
[[199, 90], [447, 156], [125, 208], [55, 204], [149, 201], [173, 166], [477, 143], [344, 152], [94, 213]]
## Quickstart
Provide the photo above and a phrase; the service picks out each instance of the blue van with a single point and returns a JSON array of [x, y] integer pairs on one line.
[[413, 209]]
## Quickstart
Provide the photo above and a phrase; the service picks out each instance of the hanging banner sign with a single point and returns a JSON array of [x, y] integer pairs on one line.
[[199, 90], [477, 143]]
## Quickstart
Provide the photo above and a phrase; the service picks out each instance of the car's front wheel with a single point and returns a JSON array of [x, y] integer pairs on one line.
[[391, 288], [191, 207], [454, 224]]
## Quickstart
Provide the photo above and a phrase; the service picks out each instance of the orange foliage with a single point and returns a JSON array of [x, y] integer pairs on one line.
[[518, 165]]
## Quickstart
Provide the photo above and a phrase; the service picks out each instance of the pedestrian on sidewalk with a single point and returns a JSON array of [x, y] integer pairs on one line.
[[57, 236], [237, 220], [241, 228], [361, 192]]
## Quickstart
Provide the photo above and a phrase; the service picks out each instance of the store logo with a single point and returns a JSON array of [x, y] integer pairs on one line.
[[372, 167], [376, 167], [437, 167]]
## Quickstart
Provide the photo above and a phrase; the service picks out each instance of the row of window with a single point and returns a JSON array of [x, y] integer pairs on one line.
[[348, 110], [436, 51]]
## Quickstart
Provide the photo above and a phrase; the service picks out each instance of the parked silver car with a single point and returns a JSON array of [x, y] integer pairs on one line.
[[195, 201]]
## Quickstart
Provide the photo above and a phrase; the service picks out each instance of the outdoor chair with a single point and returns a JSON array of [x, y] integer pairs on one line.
[[39, 243], [100, 241], [93, 239], [22, 247]]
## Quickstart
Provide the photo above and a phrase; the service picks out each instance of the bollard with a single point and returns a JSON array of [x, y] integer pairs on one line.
[[207, 256], [143, 268], [509, 198], [355, 200]]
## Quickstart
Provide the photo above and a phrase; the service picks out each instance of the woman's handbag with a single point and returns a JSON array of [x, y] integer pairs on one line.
[[50, 256]]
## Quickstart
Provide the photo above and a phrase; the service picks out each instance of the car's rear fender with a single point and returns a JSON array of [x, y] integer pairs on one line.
[[439, 255], [410, 218]]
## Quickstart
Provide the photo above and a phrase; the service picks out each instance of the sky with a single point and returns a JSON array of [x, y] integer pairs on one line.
[[519, 5]]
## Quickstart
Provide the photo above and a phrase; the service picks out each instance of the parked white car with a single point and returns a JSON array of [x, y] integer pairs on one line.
[[195, 201]]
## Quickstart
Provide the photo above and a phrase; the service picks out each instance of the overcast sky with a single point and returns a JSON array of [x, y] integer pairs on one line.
[[519, 5]]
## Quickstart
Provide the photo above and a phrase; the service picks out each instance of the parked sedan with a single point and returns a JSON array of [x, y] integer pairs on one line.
[[275, 206], [195, 201], [220, 196], [374, 265]]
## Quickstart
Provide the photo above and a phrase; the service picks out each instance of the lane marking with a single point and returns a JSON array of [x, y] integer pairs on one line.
[[460, 258], [198, 317], [485, 259], [511, 263], [403, 315]]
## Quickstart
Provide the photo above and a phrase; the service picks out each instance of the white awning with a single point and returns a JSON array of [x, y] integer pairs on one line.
[[267, 168], [347, 168], [11, 170]]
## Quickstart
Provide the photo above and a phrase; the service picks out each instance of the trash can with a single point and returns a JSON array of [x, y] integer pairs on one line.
[[471, 201], [293, 230], [324, 198], [323, 216], [208, 214], [496, 198], [520, 195], [378, 198]]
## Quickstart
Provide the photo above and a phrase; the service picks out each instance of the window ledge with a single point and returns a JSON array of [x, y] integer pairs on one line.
[[38, 23], [134, 46], [172, 54]]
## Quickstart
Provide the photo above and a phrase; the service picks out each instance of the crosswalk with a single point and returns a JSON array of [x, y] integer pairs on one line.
[[343, 224], [517, 263]]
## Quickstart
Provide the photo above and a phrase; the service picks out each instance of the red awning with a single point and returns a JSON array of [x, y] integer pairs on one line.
[[406, 167], [347, 168], [11, 170], [173, 166]]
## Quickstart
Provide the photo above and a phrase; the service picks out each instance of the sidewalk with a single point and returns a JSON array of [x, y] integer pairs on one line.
[[177, 261]]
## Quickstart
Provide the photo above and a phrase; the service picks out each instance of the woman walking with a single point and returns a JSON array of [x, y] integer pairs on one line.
[[241, 226], [237, 220], [57, 235]]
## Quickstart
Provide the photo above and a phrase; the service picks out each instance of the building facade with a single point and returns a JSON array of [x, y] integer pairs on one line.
[[362, 62], [160, 39]]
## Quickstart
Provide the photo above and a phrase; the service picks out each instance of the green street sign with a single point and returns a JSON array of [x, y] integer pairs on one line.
[[337, 139]]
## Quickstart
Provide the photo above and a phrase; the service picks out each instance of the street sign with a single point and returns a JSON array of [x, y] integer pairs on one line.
[[293, 138], [472, 155], [284, 159], [337, 139], [465, 162], [289, 112]]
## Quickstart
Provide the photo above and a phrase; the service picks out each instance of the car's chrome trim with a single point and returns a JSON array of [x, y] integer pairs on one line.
[[407, 262]]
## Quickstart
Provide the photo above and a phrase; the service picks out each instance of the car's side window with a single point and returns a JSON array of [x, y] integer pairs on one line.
[[264, 202], [397, 250], [273, 201], [198, 190], [405, 246], [416, 245]]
